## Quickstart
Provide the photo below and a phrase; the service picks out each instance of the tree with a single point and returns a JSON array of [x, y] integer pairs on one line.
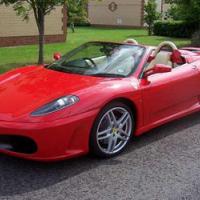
[[77, 12], [174, 12], [40, 9], [189, 10], [150, 15]]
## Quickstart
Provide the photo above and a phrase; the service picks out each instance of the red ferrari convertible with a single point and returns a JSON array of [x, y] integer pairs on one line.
[[95, 98]]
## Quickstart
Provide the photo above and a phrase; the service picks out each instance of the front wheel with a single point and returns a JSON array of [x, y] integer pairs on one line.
[[112, 130]]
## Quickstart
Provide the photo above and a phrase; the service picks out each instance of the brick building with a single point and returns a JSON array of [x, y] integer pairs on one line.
[[124, 13], [120, 13], [14, 31]]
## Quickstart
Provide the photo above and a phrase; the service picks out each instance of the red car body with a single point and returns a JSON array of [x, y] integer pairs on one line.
[[65, 133]]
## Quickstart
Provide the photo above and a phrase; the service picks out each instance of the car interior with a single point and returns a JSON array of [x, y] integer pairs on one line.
[[122, 61], [162, 55], [166, 53]]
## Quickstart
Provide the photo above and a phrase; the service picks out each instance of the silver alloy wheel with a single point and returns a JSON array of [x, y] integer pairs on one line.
[[114, 130]]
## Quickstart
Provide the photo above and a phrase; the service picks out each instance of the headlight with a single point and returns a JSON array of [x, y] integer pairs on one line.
[[56, 105]]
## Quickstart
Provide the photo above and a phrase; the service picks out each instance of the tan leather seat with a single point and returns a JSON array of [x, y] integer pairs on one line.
[[162, 57], [131, 41]]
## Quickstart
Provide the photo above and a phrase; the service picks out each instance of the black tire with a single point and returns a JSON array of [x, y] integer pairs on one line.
[[94, 145]]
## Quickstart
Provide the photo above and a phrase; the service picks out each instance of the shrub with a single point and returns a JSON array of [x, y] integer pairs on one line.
[[196, 39], [150, 14], [78, 21], [179, 29]]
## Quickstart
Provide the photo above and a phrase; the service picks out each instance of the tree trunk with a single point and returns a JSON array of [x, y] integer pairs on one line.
[[41, 22], [149, 30]]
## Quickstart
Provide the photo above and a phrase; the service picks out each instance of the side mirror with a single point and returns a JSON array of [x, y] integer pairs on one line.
[[158, 68], [57, 56]]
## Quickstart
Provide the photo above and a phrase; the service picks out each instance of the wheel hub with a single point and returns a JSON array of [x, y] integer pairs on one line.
[[114, 130]]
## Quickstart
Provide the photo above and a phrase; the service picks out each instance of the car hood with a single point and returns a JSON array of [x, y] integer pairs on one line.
[[24, 90]]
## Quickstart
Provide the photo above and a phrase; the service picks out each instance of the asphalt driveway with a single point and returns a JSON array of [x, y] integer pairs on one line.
[[163, 164]]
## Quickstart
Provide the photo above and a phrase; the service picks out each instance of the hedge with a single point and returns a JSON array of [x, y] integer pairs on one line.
[[78, 21], [180, 29]]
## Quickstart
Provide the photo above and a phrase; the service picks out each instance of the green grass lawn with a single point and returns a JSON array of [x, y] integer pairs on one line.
[[13, 57]]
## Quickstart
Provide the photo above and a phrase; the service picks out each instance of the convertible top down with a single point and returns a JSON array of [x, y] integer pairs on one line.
[[95, 98]]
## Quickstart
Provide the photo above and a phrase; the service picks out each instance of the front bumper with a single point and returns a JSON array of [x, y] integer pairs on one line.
[[57, 140]]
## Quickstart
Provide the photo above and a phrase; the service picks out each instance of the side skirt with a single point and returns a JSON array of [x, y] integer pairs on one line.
[[181, 114]]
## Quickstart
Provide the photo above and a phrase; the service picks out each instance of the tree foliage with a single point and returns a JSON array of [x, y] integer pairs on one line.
[[77, 12], [150, 14], [188, 10]]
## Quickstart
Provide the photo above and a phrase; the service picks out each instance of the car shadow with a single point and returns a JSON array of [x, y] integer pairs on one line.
[[171, 128], [21, 176]]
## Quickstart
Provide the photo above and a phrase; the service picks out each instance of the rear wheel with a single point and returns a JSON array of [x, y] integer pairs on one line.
[[112, 130]]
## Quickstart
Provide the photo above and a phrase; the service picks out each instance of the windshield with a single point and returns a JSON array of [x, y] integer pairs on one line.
[[101, 59]]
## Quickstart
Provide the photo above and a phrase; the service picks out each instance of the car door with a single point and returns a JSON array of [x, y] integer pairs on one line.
[[197, 65], [171, 93]]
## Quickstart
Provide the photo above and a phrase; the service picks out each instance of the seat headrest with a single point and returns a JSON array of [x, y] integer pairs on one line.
[[131, 41]]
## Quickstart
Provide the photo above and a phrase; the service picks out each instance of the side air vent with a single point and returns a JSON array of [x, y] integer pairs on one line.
[[18, 144]]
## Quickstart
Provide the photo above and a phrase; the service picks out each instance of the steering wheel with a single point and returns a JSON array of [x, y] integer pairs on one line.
[[91, 61]]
